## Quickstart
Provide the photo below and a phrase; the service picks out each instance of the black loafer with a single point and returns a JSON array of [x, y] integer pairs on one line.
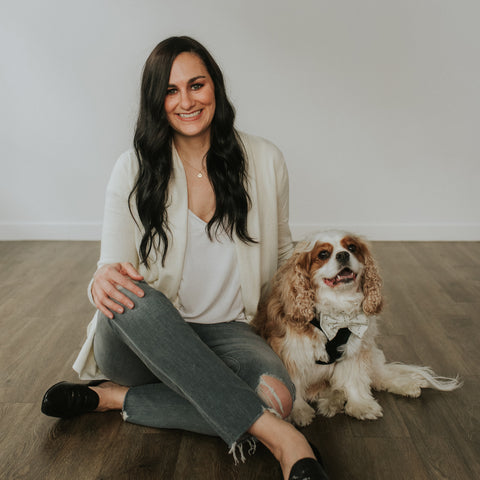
[[66, 400], [307, 469]]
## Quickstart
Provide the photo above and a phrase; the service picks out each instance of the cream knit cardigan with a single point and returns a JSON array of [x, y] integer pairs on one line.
[[267, 223]]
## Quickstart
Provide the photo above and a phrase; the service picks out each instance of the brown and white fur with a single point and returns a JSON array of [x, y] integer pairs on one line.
[[334, 273]]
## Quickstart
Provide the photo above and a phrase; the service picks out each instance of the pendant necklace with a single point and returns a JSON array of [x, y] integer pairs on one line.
[[199, 174]]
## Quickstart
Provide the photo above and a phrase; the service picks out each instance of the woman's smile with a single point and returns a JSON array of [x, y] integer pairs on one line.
[[190, 116]]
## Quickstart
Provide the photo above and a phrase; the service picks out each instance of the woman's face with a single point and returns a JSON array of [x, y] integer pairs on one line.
[[190, 100]]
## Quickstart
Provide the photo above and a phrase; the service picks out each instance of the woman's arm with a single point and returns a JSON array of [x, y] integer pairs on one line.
[[118, 264]]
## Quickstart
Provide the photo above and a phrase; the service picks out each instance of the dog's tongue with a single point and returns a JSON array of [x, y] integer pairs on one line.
[[343, 276]]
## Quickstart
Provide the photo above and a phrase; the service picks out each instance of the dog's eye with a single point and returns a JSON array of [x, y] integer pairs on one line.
[[324, 254], [352, 248]]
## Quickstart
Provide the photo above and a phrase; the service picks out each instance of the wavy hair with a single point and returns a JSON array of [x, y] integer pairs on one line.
[[225, 160]]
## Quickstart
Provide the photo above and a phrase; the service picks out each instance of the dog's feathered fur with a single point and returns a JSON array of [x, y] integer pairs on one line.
[[334, 273]]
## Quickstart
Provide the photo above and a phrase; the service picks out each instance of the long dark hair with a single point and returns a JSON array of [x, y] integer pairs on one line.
[[226, 164]]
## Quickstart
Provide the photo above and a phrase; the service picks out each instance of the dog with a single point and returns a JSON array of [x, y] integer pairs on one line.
[[320, 319]]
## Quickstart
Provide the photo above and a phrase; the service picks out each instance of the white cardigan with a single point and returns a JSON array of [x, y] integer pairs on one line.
[[267, 223]]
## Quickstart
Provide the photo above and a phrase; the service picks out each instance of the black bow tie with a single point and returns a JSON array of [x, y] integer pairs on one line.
[[340, 339]]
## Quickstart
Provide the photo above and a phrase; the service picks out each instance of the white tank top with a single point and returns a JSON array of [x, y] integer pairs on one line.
[[210, 287]]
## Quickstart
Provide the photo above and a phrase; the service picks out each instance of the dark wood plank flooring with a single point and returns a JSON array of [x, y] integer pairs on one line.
[[432, 318]]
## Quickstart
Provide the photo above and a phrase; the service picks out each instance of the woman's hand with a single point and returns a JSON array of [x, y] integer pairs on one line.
[[105, 291]]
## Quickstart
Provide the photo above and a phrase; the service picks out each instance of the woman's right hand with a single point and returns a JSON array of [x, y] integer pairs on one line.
[[104, 288]]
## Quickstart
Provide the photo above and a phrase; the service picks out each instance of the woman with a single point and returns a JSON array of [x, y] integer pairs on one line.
[[196, 221]]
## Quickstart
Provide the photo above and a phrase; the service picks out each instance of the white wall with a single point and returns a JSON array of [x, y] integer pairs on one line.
[[375, 105]]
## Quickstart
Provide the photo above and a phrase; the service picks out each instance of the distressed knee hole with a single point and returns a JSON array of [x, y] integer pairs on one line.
[[275, 394]]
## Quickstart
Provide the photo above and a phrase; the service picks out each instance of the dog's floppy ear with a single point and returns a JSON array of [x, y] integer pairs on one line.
[[296, 290], [371, 285]]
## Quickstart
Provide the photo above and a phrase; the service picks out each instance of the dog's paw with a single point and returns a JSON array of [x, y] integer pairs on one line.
[[366, 410], [333, 404], [406, 386], [409, 390], [302, 415]]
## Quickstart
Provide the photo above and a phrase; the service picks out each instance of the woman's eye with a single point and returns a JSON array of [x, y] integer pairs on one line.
[[352, 248], [197, 86], [324, 254], [171, 91]]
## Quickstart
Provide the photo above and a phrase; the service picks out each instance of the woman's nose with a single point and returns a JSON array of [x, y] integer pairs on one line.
[[186, 100]]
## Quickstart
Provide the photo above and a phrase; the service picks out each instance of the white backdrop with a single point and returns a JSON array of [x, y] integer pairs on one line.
[[375, 105]]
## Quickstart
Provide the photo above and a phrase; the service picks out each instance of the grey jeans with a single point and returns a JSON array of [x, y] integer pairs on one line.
[[196, 377]]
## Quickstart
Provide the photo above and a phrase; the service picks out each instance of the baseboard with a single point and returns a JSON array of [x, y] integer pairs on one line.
[[50, 231], [398, 232], [380, 232]]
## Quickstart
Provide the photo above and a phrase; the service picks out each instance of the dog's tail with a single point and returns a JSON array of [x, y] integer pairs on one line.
[[404, 379], [431, 380]]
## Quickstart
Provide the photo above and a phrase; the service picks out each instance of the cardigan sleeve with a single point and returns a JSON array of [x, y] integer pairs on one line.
[[285, 244], [118, 230]]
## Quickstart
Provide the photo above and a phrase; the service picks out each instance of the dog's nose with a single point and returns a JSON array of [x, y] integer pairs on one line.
[[342, 257]]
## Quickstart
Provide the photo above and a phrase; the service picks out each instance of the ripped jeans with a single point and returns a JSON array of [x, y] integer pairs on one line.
[[196, 377]]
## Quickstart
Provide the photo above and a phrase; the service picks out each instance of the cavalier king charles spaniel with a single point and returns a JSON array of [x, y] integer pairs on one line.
[[320, 319]]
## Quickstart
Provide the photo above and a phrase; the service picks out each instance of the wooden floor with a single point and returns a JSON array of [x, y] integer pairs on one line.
[[432, 318]]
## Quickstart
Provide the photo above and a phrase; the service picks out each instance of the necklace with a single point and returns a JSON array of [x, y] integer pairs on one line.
[[199, 174]]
